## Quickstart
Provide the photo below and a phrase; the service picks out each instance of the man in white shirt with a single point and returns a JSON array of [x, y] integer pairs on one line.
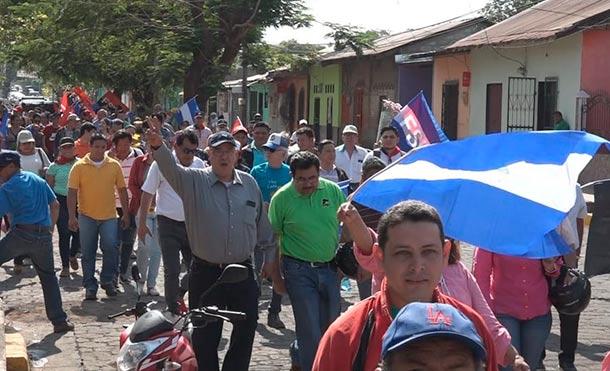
[[200, 128], [389, 150], [170, 218], [349, 155]]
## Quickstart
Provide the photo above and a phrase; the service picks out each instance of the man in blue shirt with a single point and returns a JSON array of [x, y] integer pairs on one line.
[[270, 176], [34, 210]]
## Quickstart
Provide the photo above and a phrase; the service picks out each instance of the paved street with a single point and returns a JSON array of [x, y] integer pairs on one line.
[[94, 344]]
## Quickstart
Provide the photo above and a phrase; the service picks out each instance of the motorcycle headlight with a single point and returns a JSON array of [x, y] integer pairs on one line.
[[133, 353]]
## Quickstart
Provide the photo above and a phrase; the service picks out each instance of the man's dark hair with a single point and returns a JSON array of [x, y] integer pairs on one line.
[[407, 211], [455, 254], [303, 160], [262, 124], [388, 128], [372, 166], [558, 114], [323, 143], [87, 126], [121, 134], [95, 137], [305, 131], [187, 134], [160, 116]]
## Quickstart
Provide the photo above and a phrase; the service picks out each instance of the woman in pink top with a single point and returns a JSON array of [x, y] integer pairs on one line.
[[456, 282], [517, 292]]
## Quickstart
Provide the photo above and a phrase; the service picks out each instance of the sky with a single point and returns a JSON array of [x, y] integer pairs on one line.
[[391, 15]]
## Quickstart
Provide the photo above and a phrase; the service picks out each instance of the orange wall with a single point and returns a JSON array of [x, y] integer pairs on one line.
[[447, 68], [595, 79]]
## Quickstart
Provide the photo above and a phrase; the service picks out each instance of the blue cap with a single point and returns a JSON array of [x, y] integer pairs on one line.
[[276, 141], [9, 157], [420, 321]]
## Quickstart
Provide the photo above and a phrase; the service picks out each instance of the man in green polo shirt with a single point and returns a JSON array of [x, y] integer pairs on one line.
[[303, 214]]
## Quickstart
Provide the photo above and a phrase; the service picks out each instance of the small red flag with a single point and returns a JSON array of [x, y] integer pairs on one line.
[[237, 126]]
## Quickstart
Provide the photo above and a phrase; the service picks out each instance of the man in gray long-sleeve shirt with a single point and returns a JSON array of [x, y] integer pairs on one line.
[[225, 220]]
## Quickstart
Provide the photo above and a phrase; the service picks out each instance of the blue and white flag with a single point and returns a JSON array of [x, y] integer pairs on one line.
[[188, 111], [506, 193], [344, 186]]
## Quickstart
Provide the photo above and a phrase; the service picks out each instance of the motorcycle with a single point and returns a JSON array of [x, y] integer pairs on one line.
[[153, 342]]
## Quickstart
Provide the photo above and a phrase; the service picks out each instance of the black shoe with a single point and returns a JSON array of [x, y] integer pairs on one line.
[[63, 327], [274, 321], [124, 278], [110, 289], [567, 366], [90, 295]]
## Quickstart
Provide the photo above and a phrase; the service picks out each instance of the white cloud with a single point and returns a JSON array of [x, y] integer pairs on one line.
[[391, 15]]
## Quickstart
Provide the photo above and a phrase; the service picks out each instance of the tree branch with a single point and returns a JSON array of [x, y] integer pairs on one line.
[[248, 21]]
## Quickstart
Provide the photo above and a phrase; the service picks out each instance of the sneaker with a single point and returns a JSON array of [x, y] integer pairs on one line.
[[18, 268], [90, 295], [153, 291], [141, 288], [274, 321], [65, 272], [63, 327], [567, 366], [74, 263], [110, 289]]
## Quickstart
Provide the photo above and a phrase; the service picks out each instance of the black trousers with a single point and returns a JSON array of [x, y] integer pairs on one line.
[[241, 297], [568, 327]]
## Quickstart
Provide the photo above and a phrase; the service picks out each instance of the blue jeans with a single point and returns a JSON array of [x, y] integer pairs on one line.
[[275, 305], [316, 302], [149, 253], [528, 336], [39, 247], [90, 229]]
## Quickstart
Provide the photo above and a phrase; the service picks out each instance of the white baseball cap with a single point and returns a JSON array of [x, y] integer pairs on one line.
[[350, 129]]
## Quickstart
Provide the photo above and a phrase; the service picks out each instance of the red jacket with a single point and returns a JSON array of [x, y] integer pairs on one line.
[[339, 345], [137, 175]]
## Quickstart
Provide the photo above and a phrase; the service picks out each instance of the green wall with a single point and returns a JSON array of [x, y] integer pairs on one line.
[[325, 97], [258, 101]]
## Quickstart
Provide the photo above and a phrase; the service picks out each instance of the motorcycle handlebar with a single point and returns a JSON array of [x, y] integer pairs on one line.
[[123, 313], [230, 315]]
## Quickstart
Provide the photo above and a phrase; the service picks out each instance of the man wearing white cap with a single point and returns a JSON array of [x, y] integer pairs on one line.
[[350, 155]]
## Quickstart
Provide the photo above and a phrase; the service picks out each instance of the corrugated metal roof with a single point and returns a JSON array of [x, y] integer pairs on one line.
[[549, 19], [251, 81], [387, 43]]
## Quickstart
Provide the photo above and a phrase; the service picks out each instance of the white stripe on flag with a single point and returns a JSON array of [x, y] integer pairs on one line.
[[516, 178]]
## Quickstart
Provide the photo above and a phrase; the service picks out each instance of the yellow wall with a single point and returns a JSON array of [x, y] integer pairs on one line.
[[447, 68]]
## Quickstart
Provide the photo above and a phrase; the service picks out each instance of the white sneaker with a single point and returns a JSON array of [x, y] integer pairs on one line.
[[141, 288], [153, 291]]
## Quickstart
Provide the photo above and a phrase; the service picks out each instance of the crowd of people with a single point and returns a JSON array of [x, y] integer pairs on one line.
[[200, 196]]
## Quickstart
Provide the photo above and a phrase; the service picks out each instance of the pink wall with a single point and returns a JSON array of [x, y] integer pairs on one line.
[[595, 79]]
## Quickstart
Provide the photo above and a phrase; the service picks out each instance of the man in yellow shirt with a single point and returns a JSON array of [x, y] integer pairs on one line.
[[93, 180]]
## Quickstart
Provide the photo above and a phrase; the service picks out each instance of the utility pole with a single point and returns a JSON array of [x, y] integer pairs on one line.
[[244, 86]]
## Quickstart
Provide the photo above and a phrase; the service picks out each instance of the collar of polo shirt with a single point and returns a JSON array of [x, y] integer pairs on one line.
[[236, 177]]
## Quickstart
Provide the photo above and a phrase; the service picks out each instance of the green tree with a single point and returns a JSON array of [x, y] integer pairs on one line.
[[356, 38], [139, 45], [499, 10]]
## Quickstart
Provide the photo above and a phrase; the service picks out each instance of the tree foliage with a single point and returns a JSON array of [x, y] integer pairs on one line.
[[356, 38], [139, 45], [499, 10], [263, 57]]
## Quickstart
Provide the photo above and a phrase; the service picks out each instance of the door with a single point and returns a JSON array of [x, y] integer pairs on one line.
[[547, 104], [358, 107], [316, 116], [493, 109], [521, 109], [449, 114]]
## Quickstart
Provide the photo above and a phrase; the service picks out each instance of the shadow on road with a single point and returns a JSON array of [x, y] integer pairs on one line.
[[593, 352]]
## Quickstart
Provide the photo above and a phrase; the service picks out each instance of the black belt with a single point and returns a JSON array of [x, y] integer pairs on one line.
[[165, 218], [34, 228], [247, 263], [330, 264]]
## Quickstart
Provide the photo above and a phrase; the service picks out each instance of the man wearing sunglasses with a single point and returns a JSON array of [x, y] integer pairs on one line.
[[170, 217]]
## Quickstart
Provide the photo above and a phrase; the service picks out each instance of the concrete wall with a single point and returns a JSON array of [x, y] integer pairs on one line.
[[595, 79], [451, 68], [325, 84], [374, 78], [284, 93], [561, 59]]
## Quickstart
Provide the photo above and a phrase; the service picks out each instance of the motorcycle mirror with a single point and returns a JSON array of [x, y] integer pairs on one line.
[[233, 273], [135, 273]]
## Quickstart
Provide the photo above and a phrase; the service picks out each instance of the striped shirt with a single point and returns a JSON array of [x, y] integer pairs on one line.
[[126, 165]]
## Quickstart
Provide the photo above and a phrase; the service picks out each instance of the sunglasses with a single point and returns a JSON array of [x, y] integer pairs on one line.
[[270, 150]]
